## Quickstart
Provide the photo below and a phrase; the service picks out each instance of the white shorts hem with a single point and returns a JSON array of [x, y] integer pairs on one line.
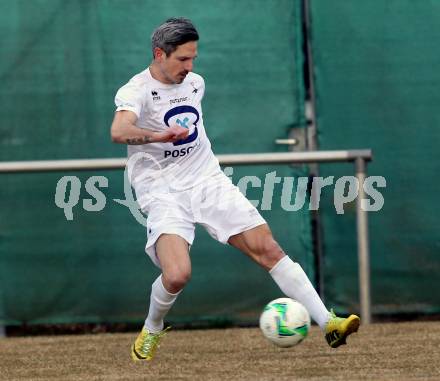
[[242, 230]]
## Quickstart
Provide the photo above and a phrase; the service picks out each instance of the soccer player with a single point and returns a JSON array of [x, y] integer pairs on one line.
[[174, 171]]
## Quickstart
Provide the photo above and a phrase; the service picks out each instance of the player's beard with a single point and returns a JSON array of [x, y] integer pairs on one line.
[[179, 78], [182, 77]]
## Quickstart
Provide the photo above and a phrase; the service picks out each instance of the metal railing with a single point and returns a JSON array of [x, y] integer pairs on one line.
[[358, 157]]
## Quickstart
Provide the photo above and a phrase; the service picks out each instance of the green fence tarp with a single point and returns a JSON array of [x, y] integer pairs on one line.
[[377, 85], [62, 62]]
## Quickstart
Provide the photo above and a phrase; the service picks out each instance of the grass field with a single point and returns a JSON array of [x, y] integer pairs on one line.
[[393, 351]]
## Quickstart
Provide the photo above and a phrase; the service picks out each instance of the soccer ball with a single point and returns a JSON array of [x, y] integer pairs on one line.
[[285, 322]]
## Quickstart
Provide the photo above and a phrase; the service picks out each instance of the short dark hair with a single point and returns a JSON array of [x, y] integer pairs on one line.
[[172, 33]]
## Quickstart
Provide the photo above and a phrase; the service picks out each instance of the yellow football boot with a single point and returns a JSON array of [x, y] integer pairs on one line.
[[146, 344], [338, 329]]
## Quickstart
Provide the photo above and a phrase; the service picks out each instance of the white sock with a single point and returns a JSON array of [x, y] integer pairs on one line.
[[160, 303], [293, 281]]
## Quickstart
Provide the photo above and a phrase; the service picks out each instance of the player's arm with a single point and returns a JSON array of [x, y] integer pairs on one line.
[[125, 131]]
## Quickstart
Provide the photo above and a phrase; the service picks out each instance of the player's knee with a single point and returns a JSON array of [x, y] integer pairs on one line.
[[176, 281]]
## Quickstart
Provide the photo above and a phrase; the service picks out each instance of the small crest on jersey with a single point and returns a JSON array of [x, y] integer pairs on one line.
[[155, 95], [195, 88]]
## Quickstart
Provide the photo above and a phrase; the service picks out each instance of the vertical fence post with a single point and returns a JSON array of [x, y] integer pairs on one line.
[[363, 246]]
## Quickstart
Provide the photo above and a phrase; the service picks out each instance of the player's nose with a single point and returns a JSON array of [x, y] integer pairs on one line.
[[189, 65]]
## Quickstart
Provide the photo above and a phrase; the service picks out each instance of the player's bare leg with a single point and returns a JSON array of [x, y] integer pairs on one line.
[[259, 244], [173, 254]]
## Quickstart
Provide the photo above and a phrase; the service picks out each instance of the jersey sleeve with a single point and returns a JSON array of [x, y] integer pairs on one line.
[[129, 97]]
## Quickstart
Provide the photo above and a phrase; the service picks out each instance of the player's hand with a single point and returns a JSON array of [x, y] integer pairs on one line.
[[171, 135]]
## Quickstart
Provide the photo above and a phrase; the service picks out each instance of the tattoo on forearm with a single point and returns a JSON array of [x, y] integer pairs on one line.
[[138, 141]]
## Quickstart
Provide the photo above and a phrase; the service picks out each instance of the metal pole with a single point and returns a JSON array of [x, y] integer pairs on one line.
[[363, 247], [360, 157], [237, 159]]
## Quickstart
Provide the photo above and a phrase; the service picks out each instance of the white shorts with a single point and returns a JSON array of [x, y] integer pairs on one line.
[[217, 205]]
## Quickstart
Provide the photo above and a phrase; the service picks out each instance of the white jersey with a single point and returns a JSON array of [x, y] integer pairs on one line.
[[163, 167]]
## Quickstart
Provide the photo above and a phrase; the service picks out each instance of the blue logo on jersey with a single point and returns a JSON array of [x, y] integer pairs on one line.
[[182, 110], [184, 123]]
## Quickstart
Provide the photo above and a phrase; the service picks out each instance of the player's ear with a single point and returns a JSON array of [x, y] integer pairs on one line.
[[159, 54]]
